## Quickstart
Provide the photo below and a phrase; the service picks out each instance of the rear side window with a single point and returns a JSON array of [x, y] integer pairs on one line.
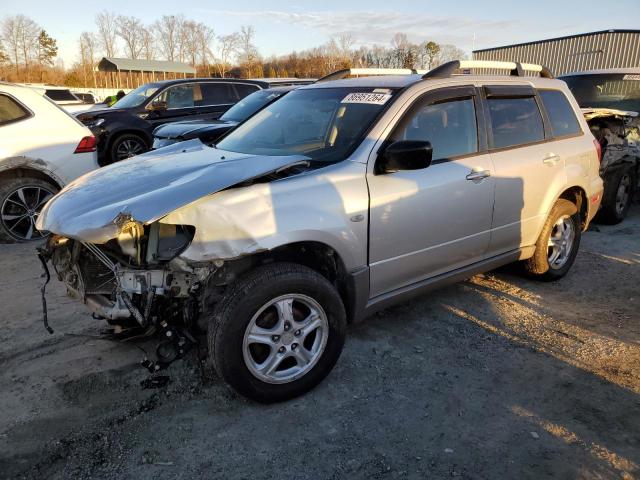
[[561, 115], [515, 121], [11, 111], [449, 126], [244, 89], [217, 94], [60, 95]]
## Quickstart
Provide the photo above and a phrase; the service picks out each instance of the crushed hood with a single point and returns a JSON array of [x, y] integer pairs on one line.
[[147, 187], [591, 113]]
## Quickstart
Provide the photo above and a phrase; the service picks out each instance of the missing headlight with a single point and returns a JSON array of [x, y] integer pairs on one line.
[[167, 241]]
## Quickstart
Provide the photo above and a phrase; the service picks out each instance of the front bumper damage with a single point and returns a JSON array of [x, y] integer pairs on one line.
[[136, 301]]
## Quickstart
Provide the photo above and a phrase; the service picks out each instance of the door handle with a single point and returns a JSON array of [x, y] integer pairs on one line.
[[477, 176], [551, 159]]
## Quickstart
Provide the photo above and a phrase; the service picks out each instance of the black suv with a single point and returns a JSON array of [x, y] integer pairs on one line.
[[209, 131], [125, 129]]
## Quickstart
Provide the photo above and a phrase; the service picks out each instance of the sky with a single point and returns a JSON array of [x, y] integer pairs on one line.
[[297, 25]]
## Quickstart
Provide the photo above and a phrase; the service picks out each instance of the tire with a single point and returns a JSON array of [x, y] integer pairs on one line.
[[618, 197], [235, 357], [126, 146], [21, 200], [544, 265]]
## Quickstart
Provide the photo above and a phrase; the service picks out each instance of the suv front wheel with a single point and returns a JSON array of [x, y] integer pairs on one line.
[[557, 246], [277, 332]]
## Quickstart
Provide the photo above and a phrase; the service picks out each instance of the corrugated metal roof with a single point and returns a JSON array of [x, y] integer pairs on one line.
[[109, 64], [597, 50], [577, 35]]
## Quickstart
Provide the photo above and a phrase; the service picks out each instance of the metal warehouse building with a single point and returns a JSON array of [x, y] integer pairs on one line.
[[586, 51]]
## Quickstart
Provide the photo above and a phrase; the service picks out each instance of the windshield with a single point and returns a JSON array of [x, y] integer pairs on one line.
[[250, 105], [322, 123], [137, 97], [612, 90]]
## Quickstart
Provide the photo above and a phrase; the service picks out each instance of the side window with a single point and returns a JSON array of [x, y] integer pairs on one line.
[[178, 96], [561, 115], [450, 126], [217, 94], [11, 111], [515, 121], [244, 89]]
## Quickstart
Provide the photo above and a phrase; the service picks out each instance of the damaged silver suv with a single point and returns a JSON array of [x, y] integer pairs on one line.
[[338, 200]]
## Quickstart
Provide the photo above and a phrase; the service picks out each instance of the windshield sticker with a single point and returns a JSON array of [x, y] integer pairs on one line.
[[368, 98], [631, 77]]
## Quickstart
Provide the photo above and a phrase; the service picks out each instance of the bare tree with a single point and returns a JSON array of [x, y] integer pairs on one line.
[[11, 27], [107, 32], [148, 43], [227, 48], [247, 49], [447, 53], [131, 31], [88, 47], [206, 36], [168, 32]]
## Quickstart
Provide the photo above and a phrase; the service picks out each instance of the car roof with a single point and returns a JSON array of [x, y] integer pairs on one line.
[[604, 71], [177, 81], [401, 81], [379, 81]]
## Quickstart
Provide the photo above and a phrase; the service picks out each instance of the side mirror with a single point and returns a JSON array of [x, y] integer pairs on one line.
[[405, 155], [157, 106]]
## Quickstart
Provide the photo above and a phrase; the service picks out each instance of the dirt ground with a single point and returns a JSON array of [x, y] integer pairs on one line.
[[496, 377]]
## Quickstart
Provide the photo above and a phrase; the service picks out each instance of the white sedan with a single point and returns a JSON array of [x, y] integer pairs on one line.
[[42, 148]]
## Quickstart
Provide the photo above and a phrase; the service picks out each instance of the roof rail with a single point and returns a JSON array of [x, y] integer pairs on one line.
[[347, 72], [516, 68]]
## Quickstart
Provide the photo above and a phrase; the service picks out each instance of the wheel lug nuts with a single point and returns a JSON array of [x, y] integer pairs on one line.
[[294, 346], [297, 333], [281, 349], [287, 326], [275, 338]]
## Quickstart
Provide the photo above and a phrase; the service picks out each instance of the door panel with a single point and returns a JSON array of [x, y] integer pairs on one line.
[[526, 165], [430, 221], [427, 222]]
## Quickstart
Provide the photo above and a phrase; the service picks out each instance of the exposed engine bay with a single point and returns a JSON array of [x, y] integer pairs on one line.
[[618, 133], [134, 283]]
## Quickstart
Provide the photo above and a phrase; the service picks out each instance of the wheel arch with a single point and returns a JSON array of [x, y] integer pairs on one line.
[[30, 168], [578, 196], [318, 256]]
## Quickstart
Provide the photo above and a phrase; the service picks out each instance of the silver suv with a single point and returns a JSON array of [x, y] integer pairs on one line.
[[338, 200]]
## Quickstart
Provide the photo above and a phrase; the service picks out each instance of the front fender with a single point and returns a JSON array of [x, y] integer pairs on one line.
[[327, 205]]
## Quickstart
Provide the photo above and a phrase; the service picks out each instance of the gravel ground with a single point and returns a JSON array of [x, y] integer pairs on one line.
[[495, 377]]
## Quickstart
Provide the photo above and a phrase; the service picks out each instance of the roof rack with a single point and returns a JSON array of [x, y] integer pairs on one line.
[[516, 68], [349, 72]]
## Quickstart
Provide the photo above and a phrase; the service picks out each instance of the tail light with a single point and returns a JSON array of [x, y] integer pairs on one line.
[[87, 144], [596, 143]]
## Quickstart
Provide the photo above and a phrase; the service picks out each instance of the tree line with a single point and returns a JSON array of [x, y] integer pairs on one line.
[[28, 53]]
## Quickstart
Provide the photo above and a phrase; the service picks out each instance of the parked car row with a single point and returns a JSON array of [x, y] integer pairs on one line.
[[335, 200], [125, 129]]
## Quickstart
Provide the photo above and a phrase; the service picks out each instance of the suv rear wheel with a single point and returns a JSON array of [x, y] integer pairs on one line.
[[557, 246], [277, 332], [21, 200], [127, 146]]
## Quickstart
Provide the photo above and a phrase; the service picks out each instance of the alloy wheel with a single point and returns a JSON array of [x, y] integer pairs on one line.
[[129, 148], [623, 193], [285, 338], [20, 210], [561, 241]]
